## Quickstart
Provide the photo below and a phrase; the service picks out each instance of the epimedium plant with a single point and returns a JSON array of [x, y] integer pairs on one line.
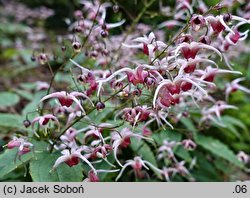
[[136, 105]]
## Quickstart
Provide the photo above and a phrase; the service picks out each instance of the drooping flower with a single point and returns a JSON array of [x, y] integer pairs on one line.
[[218, 23], [197, 22], [41, 85], [92, 177], [243, 157], [234, 86], [167, 147], [95, 131], [137, 164], [134, 115], [22, 144], [214, 113], [67, 99], [122, 140], [190, 50], [188, 144], [71, 158], [181, 169], [209, 73], [44, 120], [148, 44]]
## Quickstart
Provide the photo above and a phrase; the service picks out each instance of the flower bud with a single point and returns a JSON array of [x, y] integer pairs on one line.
[[63, 48], [100, 106], [78, 29], [218, 6], [104, 33], [78, 14], [197, 22], [33, 58], [105, 52], [43, 58], [188, 144], [13, 144], [185, 114], [149, 81], [243, 157], [115, 8], [76, 46], [227, 17], [94, 54], [26, 123], [136, 92]]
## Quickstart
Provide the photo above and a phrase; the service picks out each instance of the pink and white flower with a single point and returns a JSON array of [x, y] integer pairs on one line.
[[67, 99], [122, 140], [137, 164], [71, 158], [148, 44], [22, 144], [234, 86], [44, 120]]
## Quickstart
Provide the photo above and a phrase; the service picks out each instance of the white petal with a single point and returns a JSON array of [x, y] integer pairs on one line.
[[87, 162], [54, 95], [81, 67], [114, 25], [60, 160]]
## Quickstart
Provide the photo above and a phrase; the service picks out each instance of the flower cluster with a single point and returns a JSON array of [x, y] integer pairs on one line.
[[148, 82]]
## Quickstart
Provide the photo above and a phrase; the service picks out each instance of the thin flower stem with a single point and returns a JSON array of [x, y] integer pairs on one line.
[[93, 24], [50, 68]]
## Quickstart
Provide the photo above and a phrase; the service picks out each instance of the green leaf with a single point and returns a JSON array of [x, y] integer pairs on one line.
[[170, 135], [41, 166], [189, 125], [25, 94], [62, 77], [218, 148], [8, 99], [28, 86], [7, 161], [234, 121], [204, 170], [32, 106], [144, 151], [10, 120], [183, 153]]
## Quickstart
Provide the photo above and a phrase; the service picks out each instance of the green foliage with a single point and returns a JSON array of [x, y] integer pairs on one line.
[[217, 148], [41, 166], [11, 121], [142, 149], [9, 161], [8, 99]]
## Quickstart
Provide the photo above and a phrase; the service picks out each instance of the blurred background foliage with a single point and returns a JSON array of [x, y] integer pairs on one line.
[[18, 74]]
